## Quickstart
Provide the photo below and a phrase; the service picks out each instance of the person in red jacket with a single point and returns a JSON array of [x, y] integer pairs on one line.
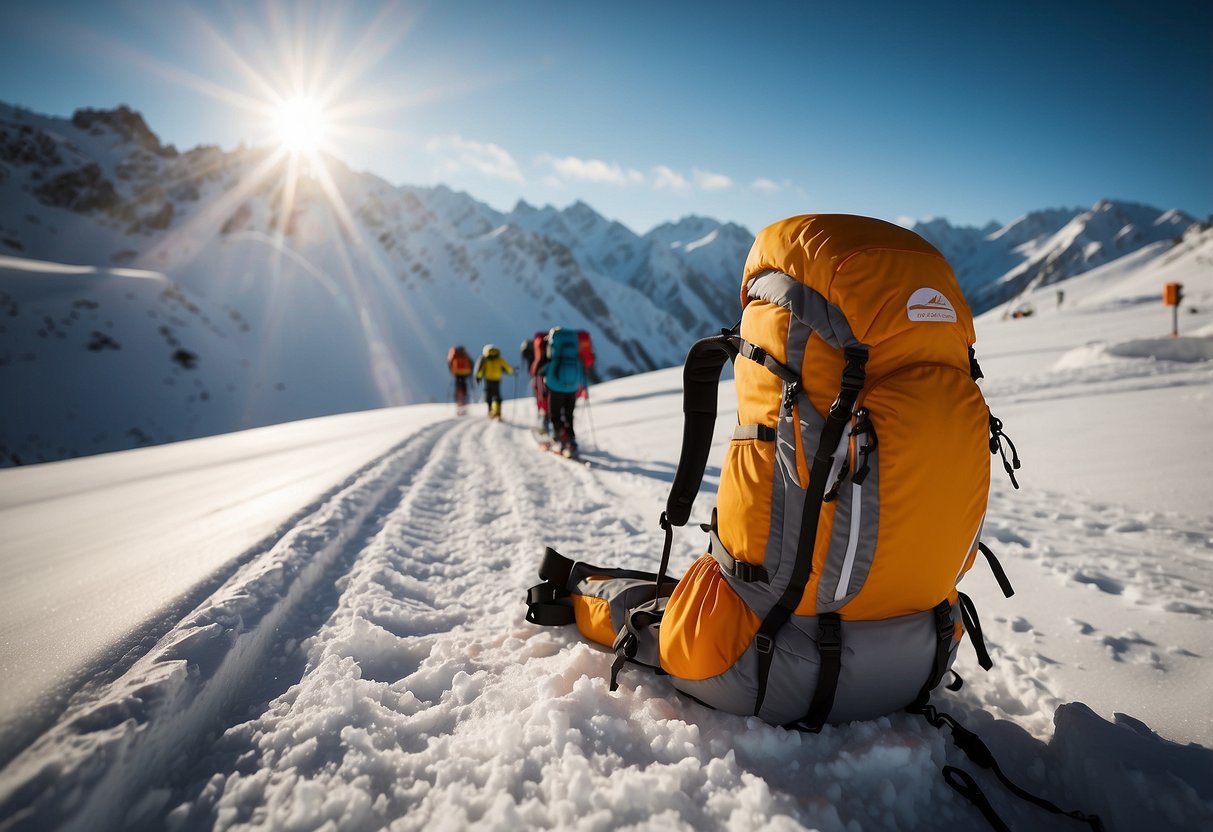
[[460, 364]]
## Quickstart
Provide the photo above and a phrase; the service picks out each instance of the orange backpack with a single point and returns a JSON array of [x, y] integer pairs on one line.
[[459, 362], [851, 498]]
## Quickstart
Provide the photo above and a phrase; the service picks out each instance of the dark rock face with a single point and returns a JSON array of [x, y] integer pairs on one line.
[[26, 146], [82, 190], [126, 123]]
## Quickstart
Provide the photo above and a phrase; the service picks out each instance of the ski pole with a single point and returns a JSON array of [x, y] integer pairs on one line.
[[589, 414], [514, 400]]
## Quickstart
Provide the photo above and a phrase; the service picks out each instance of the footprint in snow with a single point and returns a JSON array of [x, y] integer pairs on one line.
[[1021, 625], [1102, 582], [1084, 628], [1118, 646]]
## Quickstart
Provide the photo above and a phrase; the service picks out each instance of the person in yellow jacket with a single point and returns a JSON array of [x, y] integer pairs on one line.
[[489, 369]]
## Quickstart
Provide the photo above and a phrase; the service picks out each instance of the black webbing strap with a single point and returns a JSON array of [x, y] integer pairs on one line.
[[700, 385], [997, 438], [964, 785], [945, 634], [760, 356], [760, 432], [665, 555], [627, 642], [823, 460], [979, 753], [829, 648], [548, 604], [1004, 583], [972, 624], [745, 572], [625, 648]]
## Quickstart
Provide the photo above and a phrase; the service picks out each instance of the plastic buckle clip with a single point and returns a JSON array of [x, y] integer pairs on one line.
[[829, 635], [764, 643]]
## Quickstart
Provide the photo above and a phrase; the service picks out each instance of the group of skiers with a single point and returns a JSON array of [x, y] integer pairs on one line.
[[558, 362]]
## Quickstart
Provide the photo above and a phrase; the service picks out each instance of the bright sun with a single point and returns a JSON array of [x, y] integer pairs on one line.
[[301, 124]]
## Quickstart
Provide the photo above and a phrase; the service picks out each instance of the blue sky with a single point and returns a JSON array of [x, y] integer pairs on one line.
[[650, 111]]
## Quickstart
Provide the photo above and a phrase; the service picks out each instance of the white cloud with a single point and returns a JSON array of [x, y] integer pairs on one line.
[[664, 177], [592, 170], [457, 153], [767, 186], [708, 181]]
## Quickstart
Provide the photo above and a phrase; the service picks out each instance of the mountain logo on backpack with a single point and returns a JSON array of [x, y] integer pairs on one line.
[[930, 305]]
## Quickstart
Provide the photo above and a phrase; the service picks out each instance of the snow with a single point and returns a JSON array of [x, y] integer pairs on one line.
[[337, 641]]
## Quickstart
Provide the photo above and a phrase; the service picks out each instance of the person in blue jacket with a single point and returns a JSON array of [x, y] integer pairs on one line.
[[564, 376]]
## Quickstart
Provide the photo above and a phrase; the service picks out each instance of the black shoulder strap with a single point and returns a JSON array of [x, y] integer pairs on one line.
[[852, 382], [700, 381]]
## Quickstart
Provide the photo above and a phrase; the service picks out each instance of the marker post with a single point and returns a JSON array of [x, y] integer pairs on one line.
[[1172, 296]]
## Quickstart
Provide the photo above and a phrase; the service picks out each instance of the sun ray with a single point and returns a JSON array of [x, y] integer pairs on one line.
[[208, 218]]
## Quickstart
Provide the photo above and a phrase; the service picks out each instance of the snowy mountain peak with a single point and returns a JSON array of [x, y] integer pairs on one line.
[[126, 124], [1047, 246], [346, 300]]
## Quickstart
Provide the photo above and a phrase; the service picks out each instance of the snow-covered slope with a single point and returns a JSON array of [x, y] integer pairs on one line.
[[291, 291], [352, 655], [348, 291]]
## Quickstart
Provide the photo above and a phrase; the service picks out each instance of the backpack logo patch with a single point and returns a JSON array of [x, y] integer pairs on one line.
[[930, 305]]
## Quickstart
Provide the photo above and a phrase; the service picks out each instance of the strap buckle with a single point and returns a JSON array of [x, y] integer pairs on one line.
[[829, 634], [748, 572], [790, 392], [853, 375], [945, 628], [754, 352], [763, 643]]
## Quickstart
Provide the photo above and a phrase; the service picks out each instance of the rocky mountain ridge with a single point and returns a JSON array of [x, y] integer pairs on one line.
[[206, 290]]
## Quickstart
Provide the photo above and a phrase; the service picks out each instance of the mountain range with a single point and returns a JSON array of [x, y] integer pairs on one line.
[[150, 295]]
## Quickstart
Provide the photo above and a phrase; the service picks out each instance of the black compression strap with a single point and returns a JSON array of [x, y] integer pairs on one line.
[[760, 432], [700, 383], [665, 555], [945, 633], [758, 355], [1004, 583], [964, 785], [972, 624], [979, 753], [829, 648], [547, 604], [740, 570], [823, 461], [550, 615]]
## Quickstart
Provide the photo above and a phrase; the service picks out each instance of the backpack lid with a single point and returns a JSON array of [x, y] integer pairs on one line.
[[884, 279]]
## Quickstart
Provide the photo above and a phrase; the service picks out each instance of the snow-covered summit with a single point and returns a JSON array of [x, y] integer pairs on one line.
[[349, 289], [353, 289], [1045, 247]]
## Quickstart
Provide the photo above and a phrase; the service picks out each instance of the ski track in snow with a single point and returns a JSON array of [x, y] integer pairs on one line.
[[427, 702], [373, 671]]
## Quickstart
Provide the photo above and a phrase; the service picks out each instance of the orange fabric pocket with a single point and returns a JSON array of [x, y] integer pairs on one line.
[[593, 617], [706, 627]]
